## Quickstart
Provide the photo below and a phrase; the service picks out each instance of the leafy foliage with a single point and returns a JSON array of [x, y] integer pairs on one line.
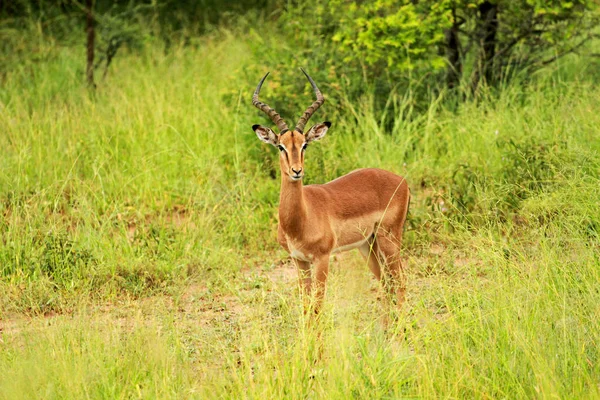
[[393, 35], [472, 40]]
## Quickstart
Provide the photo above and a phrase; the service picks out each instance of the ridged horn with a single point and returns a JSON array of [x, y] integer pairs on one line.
[[275, 117], [310, 110]]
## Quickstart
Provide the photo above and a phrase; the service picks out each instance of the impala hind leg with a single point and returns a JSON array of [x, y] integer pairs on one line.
[[393, 277], [369, 251], [377, 261], [383, 256]]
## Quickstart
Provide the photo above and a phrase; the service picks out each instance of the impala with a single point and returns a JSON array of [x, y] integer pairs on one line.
[[364, 209]]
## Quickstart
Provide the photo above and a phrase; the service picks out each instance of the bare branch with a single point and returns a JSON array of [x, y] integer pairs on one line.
[[568, 51]]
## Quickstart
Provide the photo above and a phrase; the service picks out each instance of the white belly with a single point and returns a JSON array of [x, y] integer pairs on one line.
[[349, 246], [304, 255]]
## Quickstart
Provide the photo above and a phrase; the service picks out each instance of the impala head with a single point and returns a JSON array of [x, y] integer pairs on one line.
[[291, 142]]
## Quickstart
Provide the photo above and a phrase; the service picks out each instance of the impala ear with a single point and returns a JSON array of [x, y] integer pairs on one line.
[[317, 131], [266, 134]]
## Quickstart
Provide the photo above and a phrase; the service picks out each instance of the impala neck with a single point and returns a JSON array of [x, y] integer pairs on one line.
[[292, 207]]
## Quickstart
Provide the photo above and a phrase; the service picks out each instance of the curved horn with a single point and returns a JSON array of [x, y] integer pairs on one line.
[[281, 125], [310, 110]]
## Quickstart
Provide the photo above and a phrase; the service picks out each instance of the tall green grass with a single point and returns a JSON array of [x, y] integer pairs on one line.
[[139, 259]]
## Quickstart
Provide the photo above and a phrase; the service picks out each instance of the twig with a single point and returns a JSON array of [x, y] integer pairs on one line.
[[564, 53]]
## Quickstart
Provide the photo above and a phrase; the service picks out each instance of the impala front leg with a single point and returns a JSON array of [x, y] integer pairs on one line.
[[321, 273], [304, 281]]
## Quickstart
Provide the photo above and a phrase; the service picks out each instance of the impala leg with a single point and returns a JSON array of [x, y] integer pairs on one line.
[[397, 280], [321, 273], [394, 279], [381, 262], [369, 251], [304, 282], [383, 257]]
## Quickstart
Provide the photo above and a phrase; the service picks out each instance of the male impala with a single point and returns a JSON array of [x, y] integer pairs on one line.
[[364, 209]]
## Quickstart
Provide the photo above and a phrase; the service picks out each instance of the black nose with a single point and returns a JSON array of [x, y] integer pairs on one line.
[[297, 172]]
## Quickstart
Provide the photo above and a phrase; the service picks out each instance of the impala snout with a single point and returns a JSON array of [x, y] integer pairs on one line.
[[297, 170], [297, 173]]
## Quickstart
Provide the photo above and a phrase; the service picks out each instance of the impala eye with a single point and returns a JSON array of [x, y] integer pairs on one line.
[[304, 146], [281, 148]]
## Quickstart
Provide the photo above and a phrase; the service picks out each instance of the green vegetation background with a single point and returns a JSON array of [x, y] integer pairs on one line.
[[138, 254]]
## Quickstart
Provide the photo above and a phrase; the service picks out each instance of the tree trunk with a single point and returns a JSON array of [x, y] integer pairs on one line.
[[488, 28], [454, 69], [489, 15], [90, 43]]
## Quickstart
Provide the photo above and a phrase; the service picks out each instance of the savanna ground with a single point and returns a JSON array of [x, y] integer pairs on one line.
[[139, 257]]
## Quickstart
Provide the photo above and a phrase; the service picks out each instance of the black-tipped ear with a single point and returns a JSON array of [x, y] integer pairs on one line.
[[317, 131], [266, 134]]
